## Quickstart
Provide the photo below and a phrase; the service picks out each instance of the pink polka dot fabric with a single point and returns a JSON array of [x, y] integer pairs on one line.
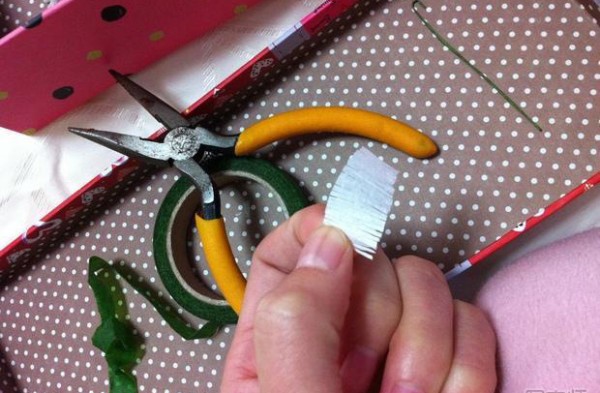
[[545, 309]]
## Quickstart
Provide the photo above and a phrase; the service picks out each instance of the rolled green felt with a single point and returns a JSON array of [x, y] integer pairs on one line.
[[177, 212]]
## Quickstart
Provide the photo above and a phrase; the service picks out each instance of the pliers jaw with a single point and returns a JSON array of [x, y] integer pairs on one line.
[[179, 144], [161, 111], [151, 152]]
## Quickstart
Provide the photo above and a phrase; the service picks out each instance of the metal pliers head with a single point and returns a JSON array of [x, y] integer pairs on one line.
[[185, 145]]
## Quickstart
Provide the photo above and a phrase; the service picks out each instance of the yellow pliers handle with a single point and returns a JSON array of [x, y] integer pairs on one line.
[[358, 122], [221, 262], [351, 121]]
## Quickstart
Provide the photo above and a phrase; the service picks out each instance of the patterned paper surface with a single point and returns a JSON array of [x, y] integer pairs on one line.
[[494, 170]]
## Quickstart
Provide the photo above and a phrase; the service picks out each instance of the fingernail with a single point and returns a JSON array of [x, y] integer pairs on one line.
[[358, 368], [324, 249], [402, 388]]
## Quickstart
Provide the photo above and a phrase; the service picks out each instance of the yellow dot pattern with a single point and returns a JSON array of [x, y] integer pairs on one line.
[[94, 55], [157, 35], [240, 9]]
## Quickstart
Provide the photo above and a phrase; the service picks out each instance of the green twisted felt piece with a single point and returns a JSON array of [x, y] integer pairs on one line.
[[116, 335]]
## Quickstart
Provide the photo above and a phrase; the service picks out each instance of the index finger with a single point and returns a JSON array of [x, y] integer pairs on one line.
[[277, 255], [274, 258]]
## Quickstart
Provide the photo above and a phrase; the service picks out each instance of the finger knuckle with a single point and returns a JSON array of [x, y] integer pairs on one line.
[[288, 310], [420, 266], [476, 319]]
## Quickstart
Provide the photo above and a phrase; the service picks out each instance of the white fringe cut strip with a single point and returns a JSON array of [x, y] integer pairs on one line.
[[361, 199]]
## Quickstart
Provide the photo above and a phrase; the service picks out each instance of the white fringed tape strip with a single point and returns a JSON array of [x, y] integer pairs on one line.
[[360, 201]]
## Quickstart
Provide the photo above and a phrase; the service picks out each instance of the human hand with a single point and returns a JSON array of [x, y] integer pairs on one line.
[[317, 318]]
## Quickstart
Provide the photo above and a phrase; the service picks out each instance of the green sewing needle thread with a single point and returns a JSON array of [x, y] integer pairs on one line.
[[456, 52]]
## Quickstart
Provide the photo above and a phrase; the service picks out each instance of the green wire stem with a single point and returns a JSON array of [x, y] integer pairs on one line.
[[457, 53]]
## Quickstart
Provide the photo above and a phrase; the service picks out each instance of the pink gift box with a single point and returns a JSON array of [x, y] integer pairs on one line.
[[59, 60], [31, 96]]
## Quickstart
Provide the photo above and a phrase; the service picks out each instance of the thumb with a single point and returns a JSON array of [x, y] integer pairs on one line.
[[297, 325]]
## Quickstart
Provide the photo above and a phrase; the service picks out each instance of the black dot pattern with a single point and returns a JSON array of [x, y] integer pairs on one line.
[[113, 13], [34, 22], [63, 92]]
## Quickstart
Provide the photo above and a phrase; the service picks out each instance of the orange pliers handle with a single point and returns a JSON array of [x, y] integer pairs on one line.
[[351, 121]]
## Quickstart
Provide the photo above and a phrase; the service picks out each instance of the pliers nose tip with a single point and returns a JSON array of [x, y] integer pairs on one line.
[[79, 131], [115, 74]]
